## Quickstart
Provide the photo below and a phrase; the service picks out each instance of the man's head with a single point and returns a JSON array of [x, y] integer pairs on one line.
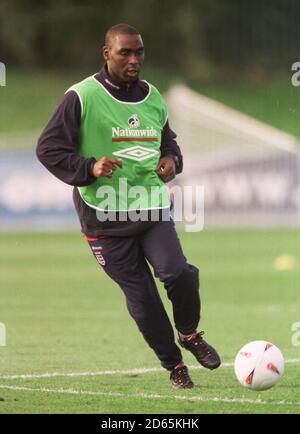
[[123, 52]]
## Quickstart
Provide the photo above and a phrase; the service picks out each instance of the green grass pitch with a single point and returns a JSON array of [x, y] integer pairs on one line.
[[63, 316]]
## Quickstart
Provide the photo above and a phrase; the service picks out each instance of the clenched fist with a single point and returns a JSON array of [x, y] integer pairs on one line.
[[166, 169]]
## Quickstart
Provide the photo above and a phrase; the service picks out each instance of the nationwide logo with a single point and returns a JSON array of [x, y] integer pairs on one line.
[[133, 133], [137, 153]]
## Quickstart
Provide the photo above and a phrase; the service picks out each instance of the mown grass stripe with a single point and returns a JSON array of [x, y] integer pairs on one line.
[[149, 396], [111, 372]]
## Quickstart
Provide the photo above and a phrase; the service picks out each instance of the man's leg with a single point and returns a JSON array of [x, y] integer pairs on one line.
[[123, 260], [162, 248]]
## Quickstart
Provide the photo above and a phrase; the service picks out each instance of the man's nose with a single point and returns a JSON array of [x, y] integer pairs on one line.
[[133, 59]]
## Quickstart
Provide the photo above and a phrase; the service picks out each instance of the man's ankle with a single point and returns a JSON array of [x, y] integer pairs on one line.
[[187, 337]]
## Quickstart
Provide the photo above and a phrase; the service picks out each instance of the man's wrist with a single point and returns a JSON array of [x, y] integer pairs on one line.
[[91, 166], [174, 158]]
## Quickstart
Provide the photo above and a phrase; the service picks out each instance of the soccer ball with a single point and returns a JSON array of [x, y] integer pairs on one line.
[[259, 365]]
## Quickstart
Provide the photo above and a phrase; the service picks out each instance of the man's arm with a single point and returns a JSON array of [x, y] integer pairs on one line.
[[170, 162], [169, 147], [57, 147]]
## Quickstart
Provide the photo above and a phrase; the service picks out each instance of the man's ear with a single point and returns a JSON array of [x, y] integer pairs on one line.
[[105, 52]]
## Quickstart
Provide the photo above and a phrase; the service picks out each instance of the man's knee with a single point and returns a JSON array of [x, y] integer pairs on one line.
[[170, 268], [186, 281]]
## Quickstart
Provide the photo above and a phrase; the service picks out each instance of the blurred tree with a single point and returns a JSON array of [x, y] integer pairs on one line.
[[190, 37]]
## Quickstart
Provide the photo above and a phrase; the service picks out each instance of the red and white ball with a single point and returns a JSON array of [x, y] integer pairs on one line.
[[259, 365]]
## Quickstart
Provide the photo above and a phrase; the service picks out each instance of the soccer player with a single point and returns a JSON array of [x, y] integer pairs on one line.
[[113, 128]]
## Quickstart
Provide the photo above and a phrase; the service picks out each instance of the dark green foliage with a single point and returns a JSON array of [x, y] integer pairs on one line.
[[192, 35]]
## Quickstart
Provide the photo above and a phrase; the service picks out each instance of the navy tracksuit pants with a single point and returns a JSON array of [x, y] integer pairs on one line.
[[125, 260]]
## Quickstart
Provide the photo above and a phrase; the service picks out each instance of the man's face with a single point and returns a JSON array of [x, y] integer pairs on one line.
[[124, 57]]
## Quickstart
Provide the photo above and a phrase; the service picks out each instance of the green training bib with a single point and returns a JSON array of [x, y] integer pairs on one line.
[[131, 132]]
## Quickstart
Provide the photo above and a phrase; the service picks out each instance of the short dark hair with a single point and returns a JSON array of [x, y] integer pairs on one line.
[[124, 29]]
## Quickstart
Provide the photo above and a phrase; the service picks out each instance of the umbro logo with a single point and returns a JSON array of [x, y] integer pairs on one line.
[[137, 153]]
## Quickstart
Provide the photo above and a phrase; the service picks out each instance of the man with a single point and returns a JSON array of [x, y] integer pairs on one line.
[[110, 115]]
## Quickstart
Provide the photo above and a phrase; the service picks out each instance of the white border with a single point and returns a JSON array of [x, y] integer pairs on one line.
[[120, 210], [80, 100], [125, 102]]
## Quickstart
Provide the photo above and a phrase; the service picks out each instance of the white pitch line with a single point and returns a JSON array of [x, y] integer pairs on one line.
[[149, 396], [115, 372], [81, 374], [99, 373]]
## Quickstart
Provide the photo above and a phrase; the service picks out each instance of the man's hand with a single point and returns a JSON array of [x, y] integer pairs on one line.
[[166, 169], [106, 166]]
